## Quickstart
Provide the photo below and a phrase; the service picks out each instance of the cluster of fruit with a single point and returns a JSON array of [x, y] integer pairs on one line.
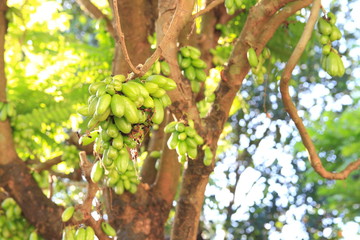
[[12, 224], [233, 5], [256, 63], [184, 139], [124, 110], [6, 110], [83, 232], [159, 67], [193, 67], [331, 61]]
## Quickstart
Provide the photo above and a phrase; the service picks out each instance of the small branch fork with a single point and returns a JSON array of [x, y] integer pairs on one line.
[[291, 109]]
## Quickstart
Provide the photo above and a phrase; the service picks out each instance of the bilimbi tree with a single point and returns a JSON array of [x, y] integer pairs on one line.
[[151, 129]]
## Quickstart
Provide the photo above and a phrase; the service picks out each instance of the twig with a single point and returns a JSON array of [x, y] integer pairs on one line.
[[48, 164], [291, 109], [208, 8], [122, 38]]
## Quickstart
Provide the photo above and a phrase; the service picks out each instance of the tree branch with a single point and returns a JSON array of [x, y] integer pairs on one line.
[[48, 164], [96, 13], [291, 109], [121, 38], [208, 8]]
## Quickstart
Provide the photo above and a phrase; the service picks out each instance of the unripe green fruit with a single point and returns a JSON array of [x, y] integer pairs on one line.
[[131, 111], [192, 152], [332, 18], [103, 104], [252, 58], [123, 125], [170, 127], [335, 34], [131, 90], [181, 148], [191, 142], [326, 49], [155, 154], [117, 105], [185, 52], [80, 234], [180, 127], [324, 27], [190, 73], [165, 68], [200, 75], [118, 142], [112, 131], [185, 63], [198, 63], [173, 140], [182, 136], [95, 86], [324, 39], [120, 78], [158, 115], [108, 230], [194, 52], [151, 87], [90, 234], [96, 172]]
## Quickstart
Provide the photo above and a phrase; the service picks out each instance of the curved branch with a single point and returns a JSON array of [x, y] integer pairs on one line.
[[291, 109], [122, 38], [208, 8], [96, 13]]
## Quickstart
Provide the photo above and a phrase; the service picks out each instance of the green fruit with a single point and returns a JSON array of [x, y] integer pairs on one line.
[[341, 71], [131, 90], [102, 117], [122, 161], [165, 100], [120, 78], [123, 125], [92, 105], [130, 142], [198, 139], [108, 230], [158, 115], [104, 135], [170, 84], [119, 188], [155, 154], [200, 75], [324, 39], [170, 127], [91, 124], [185, 52], [332, 18], [326, 49], [324, 27], [84, 110], [165, 68], [229, 3], [80, 234], [87, 139], [198, 63], [332, 67], [266, 53], [148, 102], [113, 177], [192, 152], [143, 91], [335, 34], [208, 153], [103, 104], [191, 143], [173, 140], [252, 58], [112, 130], [159, 93], [207, 162], [33, 236], [133, 188], [181, 148], [151, 87], [195, 86], [156, 69], [118, 142], [110, 89], [185, 63], [101, 91], [180, 127], [194, 52], [190, 73], [69, 233], [90, 234], [131, 111], [96, 172], [117, 105], [160, 80], [112, 153], [179, 58], [95, 86], [182, 136]]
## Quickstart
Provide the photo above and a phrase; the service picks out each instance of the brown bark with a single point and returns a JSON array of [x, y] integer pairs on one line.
[[137, 18]]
